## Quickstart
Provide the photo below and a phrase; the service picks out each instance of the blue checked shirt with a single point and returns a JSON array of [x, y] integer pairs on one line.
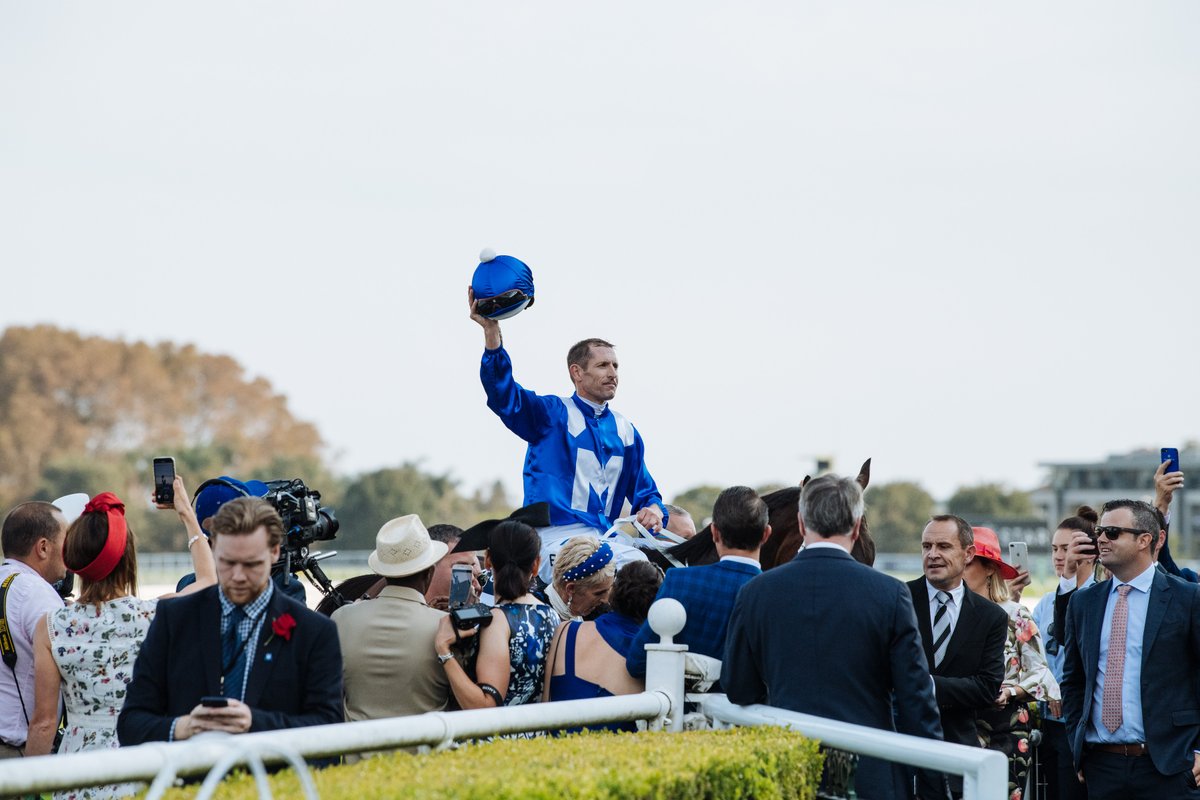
[[251, 625]]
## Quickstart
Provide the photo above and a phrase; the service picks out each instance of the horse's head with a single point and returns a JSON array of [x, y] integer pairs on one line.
[[786, 539]]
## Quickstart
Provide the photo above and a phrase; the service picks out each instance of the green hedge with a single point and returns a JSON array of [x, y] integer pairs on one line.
[[763, 763]]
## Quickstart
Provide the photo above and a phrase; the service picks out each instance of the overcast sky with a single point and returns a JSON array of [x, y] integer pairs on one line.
[[960, 239]]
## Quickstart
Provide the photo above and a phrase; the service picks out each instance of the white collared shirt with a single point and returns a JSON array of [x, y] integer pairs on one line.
[[30, 598], [753, 562], [819, 544], [954, 607]]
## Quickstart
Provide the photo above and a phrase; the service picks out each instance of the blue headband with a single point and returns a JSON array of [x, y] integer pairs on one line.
[[595, 562]]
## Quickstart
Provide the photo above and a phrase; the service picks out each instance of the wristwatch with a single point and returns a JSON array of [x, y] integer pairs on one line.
[[444, 658]]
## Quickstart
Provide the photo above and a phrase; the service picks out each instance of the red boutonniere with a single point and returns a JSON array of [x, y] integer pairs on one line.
[[283, 625]]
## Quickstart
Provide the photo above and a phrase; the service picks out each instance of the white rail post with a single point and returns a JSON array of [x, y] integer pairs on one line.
[[665, 660]]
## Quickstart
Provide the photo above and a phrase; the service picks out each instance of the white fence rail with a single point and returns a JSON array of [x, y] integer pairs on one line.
[[984, 772]]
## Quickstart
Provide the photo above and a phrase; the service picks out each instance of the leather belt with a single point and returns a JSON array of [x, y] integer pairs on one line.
[[1132, 750]]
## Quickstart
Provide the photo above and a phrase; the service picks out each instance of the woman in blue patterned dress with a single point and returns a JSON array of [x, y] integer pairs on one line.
[[512, 649], [87, 649]]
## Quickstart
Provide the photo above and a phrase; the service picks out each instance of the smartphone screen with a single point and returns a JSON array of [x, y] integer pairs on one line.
[[460, 585], [1170, 456], [164, 480], [1018, 555]]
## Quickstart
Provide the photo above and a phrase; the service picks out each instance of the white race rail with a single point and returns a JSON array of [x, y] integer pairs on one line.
[[985, 772]]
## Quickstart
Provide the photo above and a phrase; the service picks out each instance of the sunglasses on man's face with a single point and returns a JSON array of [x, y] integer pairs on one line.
[[490, 305], [1114, 532]]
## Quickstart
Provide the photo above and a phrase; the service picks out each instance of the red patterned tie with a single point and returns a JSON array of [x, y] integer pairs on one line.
[[1114, 669]]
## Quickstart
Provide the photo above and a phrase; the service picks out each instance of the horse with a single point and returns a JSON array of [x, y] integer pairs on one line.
[[783, 506]]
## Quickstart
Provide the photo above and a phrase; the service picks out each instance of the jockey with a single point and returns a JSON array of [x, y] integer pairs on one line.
[[584, 459]]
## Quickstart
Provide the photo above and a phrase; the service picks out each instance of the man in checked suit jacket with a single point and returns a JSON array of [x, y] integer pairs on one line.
[[968, 664], [286, 673], [828, 636], [739, 527], [1136, 736]]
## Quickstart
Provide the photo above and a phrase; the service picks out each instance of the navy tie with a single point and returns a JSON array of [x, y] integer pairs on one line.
[[233, 650]]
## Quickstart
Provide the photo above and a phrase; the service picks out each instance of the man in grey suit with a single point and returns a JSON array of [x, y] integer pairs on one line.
[[390, 667], [1132, 654], [828, 636]]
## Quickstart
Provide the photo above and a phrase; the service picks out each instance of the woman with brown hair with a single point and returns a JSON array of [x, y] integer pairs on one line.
[[87, 649]]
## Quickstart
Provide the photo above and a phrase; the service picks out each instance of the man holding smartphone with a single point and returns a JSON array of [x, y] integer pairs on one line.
[[276, 663], [390, 668]]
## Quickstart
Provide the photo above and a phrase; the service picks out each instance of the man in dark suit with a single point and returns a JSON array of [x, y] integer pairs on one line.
[[739, 527], [963, 634], [828, 636], [1132, 654], [277, 663]]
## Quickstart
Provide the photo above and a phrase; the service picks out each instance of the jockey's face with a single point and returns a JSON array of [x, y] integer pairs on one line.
[[598, 380], [942, 555]]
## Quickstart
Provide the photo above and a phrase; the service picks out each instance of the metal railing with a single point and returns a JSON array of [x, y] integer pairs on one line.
[[984, 772]]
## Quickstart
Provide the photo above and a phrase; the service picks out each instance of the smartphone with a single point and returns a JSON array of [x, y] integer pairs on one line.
[[1170, 457], [1018, 556], [164, 480], [460, 585], [214, 702]]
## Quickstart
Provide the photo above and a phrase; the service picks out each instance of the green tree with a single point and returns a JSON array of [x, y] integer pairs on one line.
[[989, 501], [698, 501], [897, 513], [373, 498]]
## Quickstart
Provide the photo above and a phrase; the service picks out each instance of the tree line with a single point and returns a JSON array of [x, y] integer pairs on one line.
[[88, 414]]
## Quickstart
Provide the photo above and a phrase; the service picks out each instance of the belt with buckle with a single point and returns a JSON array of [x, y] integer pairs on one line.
[[1132, 749]]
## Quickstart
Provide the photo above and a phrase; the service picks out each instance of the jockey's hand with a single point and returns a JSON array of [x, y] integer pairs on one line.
[[650, 518], [491, 328]]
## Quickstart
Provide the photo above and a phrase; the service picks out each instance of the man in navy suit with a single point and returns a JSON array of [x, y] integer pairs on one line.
[[963, 634], [828, 636], [277, 663], [1132, 654], [739, 528]]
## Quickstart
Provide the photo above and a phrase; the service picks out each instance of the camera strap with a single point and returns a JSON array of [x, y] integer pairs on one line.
[[8, 648]]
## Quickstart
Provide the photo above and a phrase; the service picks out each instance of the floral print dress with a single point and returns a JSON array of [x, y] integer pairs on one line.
[[95, 647], [532, 628], [1006, 729]]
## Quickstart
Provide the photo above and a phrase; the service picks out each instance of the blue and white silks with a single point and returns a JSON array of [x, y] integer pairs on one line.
[[585, 464]]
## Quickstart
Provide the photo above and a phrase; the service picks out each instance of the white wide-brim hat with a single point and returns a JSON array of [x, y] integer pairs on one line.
[[403, 547]]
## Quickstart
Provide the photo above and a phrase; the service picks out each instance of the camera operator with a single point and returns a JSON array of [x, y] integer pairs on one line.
[[389, 666]]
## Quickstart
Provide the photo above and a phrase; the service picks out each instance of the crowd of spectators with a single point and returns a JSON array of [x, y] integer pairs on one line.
[[1095, 685]]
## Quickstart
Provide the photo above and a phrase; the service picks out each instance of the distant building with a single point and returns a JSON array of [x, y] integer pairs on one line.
[[1130, 475]]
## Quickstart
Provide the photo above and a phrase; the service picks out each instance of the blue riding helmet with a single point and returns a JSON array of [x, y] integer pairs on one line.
[[503, 285]]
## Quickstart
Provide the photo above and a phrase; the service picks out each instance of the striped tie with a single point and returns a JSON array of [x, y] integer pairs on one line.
[[941, 628]]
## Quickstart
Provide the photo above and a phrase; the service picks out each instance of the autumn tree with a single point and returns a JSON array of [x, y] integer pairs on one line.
[[85, 413]]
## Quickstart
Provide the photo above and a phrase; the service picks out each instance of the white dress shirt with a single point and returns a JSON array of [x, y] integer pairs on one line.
[[953, 607]]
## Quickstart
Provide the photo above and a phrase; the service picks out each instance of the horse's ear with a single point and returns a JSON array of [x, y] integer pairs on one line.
[[804, 482], [864, 474]]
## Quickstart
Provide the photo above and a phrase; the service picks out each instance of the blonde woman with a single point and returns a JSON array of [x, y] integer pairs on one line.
[[1027, 677], [583, 577]]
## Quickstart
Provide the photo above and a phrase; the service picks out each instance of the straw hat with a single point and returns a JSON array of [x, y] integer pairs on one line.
[[403, 547]]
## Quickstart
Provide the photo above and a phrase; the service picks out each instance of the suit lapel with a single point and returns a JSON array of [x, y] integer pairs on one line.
[[1158, 602], [921, 609], [210, 640], [266, 652]]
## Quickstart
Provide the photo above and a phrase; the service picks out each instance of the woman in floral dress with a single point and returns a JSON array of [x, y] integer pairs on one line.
[[1005, 727], [513, 647], [86, 649]]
